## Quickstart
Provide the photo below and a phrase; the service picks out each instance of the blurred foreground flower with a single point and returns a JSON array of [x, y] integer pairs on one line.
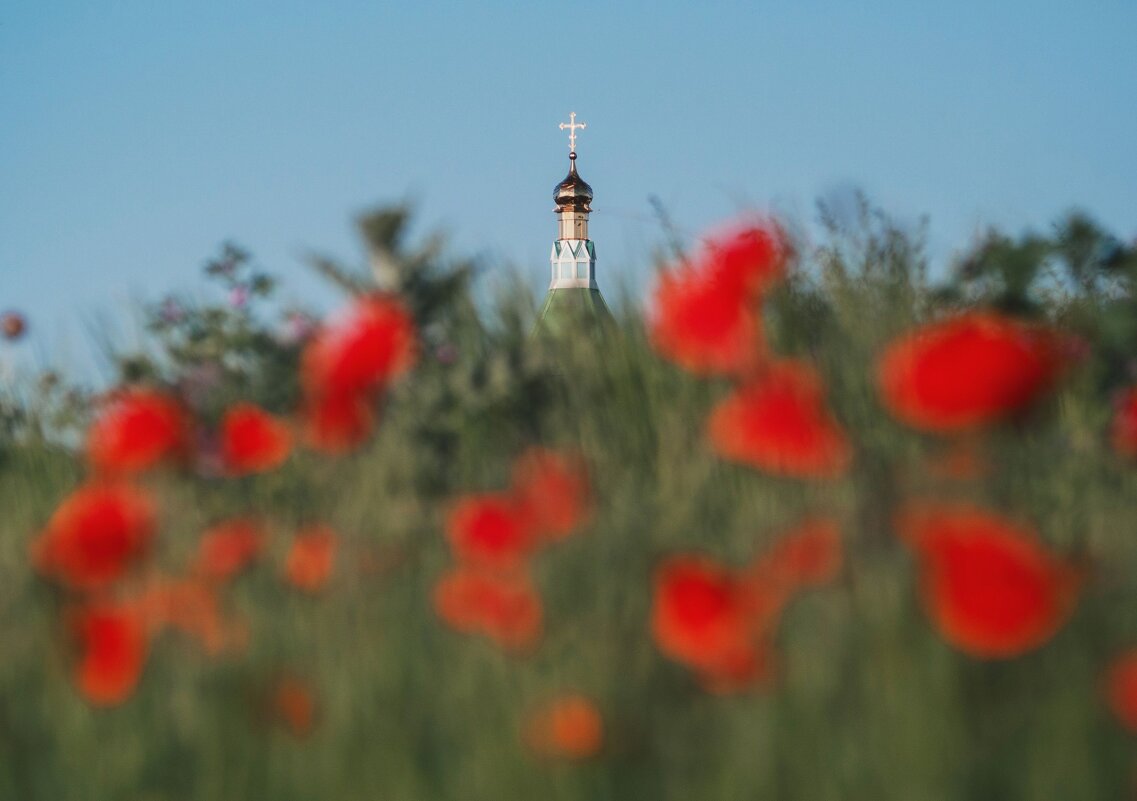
[[489, 531], [1120, 688], [96, 535], [229, 547], [252, 440], [991, 587], [552, 491], [12, 325], [293, 705], [311, 558], [568, 727], [135, 430], [968, 371], [505, 608], [1123, 432], [113, 643], [778, 422]]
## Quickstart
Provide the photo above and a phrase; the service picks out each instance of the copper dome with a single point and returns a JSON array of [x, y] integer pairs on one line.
[[573, 193]]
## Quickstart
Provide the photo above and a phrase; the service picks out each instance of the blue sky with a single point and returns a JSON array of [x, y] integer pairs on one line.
[[136, 136]]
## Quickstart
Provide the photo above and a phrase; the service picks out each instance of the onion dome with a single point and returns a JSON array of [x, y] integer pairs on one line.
[[573, 193]]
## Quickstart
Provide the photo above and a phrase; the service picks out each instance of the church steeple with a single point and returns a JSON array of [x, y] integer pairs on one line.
[[574, 301]]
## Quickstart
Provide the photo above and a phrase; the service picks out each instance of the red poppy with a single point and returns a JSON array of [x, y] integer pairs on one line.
[[294, 705], [968, 371], [1121, 689], [136, 430], [95, 535], [192, 607], [1123, 432], [252, 440], [745, 259], [490, 531], [778, 422], [739, 670], [503, 607], [12, 325], [704, 325], [551, 491], [113, 644], [699, 613], [567, 727], [371, 344], [311, 558], [229, 547], [336, 424], [807, 555], [991, 587]]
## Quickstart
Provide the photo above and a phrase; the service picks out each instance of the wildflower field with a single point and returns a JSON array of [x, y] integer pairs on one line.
[[802, 523]]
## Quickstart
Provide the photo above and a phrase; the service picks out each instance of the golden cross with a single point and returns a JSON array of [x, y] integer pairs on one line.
[[572, 125]]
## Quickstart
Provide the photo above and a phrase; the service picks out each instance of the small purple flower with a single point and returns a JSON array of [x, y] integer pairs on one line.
[[298, 326], [239, 296], [171, 312], [446, 353]]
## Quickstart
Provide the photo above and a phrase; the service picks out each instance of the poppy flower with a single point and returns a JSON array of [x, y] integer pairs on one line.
[[490, 531], [229, 547], [745, 259], [252, 440], [991, 587], [807, 555], [136, 430], [778, 422], [293, 705], [192, 607], [503, 607], [113, 644], [968, 371], [371, 344], [703, 325], [311, 558], [740, 669], [551, 491], [567, 727], [338, 423], [1121, 689], [699, 612], [96, 535], [1123, 433], [12, 325]]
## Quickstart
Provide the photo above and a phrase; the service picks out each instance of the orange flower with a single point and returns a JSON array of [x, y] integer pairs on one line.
[[489, 531], [192, 607], [704, 325], [568, 727], [252, 440], [778, 422], [699, 614], [807, 555], [113, 645], [1123, 433], [336, 424], [95, 535], [1121, 689], [229, 547], [745, 259], [311, 558], [967, 371], [371, 344], [504, 608], [294, 705], [992, 589], [136, 430], [552, 491]]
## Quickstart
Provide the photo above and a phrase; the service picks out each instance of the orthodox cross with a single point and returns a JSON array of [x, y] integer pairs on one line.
[[572, 125]]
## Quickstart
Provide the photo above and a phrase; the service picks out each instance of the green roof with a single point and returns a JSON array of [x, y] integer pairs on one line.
[[569, 310]]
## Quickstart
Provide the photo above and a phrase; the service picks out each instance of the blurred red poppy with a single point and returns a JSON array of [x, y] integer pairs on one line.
[[336, 424], [552, 491], [490, 531], [1121, 689], [252, 440], [1123, 433], [704, 325], [113, 644], [229, 547], [969, 370], [12, 325], [699, 613], [741, 669], [991, 587], [192, 607], [311, 558], [95, 535], [745, 259], [294, 705], [372, 343], [136, 430], [567, 727], [778, 422], [503, 607], [807, 555]]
